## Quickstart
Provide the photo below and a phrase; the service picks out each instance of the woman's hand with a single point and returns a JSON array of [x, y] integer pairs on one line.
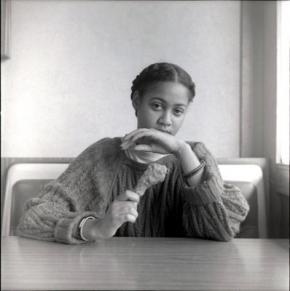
[[152, 140], [122, 209]]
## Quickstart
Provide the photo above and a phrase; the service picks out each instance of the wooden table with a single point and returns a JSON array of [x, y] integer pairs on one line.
[[146, 264]]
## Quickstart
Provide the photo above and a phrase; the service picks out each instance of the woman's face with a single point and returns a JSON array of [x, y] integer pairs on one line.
[[163, 106]]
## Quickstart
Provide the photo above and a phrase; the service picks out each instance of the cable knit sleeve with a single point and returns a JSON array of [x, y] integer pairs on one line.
[[54, 215], [212, 209]]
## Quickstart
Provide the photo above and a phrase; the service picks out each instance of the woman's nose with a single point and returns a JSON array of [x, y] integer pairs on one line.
[[165, 119]]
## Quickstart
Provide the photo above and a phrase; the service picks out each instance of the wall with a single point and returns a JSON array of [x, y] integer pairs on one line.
[[252, 69], [68, 81]]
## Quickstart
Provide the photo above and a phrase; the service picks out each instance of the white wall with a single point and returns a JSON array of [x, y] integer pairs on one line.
[[68, 81]]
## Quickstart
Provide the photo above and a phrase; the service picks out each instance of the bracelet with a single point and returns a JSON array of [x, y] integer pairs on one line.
[[195, 170], [81, 225]]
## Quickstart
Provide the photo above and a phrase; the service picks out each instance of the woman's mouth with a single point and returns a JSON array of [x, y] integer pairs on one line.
[[164, 130]]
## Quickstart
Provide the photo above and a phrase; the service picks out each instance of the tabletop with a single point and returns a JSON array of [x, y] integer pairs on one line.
[[145, 264]]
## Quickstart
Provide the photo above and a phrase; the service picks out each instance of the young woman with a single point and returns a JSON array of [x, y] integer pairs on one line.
[[96, 197]]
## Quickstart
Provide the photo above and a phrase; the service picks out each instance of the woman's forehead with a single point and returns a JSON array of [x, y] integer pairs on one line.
[[171, 92]]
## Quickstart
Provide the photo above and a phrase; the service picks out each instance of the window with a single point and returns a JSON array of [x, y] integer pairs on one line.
[[283, 82]]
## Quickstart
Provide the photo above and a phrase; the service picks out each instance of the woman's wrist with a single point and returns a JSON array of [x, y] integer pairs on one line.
[[92, 230], [190, 164], [187, 156], [182, 148]]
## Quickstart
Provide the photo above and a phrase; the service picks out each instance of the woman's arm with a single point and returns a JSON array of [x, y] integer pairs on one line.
[[212, 209], [189, 162], [56, 212], [52, 216]]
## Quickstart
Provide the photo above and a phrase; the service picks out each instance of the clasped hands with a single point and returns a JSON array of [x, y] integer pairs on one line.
[[152, 140]]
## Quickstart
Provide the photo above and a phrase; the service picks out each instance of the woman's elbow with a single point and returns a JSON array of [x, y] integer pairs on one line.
[[224, 235], [226, 238]]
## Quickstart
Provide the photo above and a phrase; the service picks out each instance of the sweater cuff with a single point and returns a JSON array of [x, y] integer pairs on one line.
[[206, 192], [66, 230]]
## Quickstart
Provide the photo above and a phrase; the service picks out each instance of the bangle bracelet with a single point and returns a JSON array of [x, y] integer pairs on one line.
[[195, 170], [81, 225]]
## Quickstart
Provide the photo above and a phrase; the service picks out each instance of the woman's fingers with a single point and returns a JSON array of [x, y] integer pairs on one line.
[[129, 195], [143, 147], [145, 136], [130, 139], [142, 134], [150, 140], [121, 211], [125, 207], [121, 207], [125, 213], [132, 211], [130, 218], [128, 142], [150, 148], [132, 133]]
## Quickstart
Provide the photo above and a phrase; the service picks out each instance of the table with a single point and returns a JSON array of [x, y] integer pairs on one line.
[[146, 264]]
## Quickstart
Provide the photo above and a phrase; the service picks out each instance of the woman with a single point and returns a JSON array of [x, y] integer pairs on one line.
[[96, 197]]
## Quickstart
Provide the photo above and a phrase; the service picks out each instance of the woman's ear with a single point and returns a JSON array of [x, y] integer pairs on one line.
[[136, 101]]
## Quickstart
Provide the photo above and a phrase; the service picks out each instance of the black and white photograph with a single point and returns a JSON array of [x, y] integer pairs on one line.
[[145, 145]]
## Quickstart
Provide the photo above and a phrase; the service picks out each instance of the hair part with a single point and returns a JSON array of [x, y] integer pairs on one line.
[[162, 72]]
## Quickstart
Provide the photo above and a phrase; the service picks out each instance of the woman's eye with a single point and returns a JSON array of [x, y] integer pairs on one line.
[[156, 106], [178, 112]]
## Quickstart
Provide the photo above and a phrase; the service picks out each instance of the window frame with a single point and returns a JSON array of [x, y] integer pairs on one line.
[[283, 86]]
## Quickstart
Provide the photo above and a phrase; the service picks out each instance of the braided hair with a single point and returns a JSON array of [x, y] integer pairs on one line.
[[159, 72]]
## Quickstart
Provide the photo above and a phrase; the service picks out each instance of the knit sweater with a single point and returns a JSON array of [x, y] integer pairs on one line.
[[211, 210]]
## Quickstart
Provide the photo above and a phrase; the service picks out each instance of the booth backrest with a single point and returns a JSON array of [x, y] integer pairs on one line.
[[25, 181]]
